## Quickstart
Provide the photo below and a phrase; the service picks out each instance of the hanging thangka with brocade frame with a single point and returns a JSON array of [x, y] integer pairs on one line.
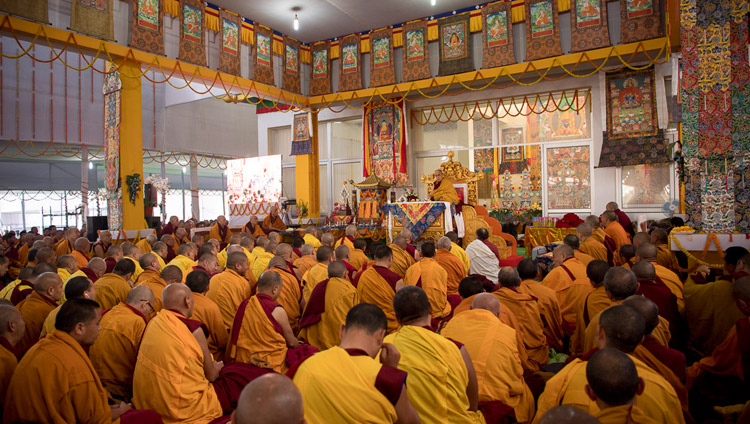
[[301, 139], [456, 55], [35, 10], [385, 142], [112, 93], [416, 57], [263, 69], [147, 26], [93, 17], [350, 65], [542, 30], [229, 52], [320, 68], [640, 20], [192, 28], [497, 35], [382, 69], [290, 77], [588, 23]]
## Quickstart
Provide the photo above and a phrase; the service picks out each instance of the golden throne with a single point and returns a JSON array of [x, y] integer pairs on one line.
[[465, 178]]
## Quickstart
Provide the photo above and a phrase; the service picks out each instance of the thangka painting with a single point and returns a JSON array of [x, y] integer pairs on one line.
[[416, 61], [497, 35], [290, 79], [350, 69], [640, 20], [542, 29], [631, 104], [229, 54], [112, 92], [385, 143], [263, 69], [93, 17], [568, 178], [565, 123], [382, 69], [35, 10], [147, 26], [301, 140], [588, 23], [455, 44], [512, 158], [320, 74], [484, 159], [192, 41]]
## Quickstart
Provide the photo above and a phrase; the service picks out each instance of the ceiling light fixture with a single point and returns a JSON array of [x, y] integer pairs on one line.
[[296, 22], [91, 165], [433, 2]]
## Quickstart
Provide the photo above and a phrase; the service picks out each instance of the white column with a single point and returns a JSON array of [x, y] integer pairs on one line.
[[85, 185], [195, 201]]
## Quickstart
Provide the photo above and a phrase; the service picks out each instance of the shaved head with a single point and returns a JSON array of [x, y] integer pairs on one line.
[[336, 269], [327, 239], [267, 281], [644, 271], [564, 250], [620, 283], [647, 308], [235, 258], [45, 281], [10, 317], [647, 252], [66, 261], [277, 262], [623, 328], [487, 301], [351, 230], [98, 266], [612, 377], [741, 289], [566, 414], [82, 243], [659, 236], [444, 243], [270, 399], [324, 254], [45, 254], [139, 293], [400, 242], [284, 250], [274, 237], [307, 250], [149, 261], [641, 238], [342, 252], [178, 296], [171, 273]]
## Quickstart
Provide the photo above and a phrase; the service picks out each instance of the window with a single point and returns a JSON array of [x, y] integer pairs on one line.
[[280, 143], [646, 186]]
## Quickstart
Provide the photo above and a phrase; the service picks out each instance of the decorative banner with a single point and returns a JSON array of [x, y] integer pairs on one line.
[[634, 151], [484, 159], [192, 40], [640, 20], [416, 58], [263, 69], [93, 17], [568, 178], [35, 10], [301, 139], [497, 35], [320, 69], [111, 92], [350, 68], [290, 78], [147, 26], [588, 23], [385, 142], [455, 45], [416, 217], [542, 30], [229, 52], [631, 104], [382, 69]]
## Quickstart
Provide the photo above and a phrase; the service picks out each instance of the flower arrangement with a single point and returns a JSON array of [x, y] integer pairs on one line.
[[134, 186], [302, 208], [409, 194], [684, 229]]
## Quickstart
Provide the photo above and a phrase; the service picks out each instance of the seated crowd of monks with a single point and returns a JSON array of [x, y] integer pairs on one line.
[[244, 328]]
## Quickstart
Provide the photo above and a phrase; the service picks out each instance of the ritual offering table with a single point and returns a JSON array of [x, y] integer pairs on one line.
[[422, 219], [542, 236], [706, 249]]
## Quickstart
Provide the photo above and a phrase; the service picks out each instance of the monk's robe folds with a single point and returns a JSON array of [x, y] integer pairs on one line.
[[433, 279], [184, 263], [290, 296], [326, 311], [402, 260], [228, 289], [377, 285], [208, 312], [358, 258], [444, 192], [111, 289], [316, 274], [305, 263], [153, 281], [256, 337], [453, 267], [526, 310], [570, 282], [261, 263], [34, 309]]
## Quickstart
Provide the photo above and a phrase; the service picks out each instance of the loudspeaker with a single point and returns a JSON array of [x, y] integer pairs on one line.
[[95, 224]]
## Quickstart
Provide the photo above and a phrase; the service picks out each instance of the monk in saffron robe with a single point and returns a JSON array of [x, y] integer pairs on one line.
[[664, 257], [151, 278], [290, 297], [56, 382], [65, 246], [82, 246], [310, 237], [95, 269], [11, 332], [357, 256], [458, 251], [48, 290], [568, 279], [665, 300], [589, 245], [613, 383], [75, 287], [549, 306], [262, 260], [185, 259], [573, 241], [648, 252], [594, 303], [66, 266], [25, 286], [114, 353], [175, 375], [350, 233], [307, 260], [619, 284], [484, 256], [442, 381], [326, 311], [428, 275], [443, 189], [230, 288], [114, 287], [318, 273], [146, 243], [402, 260], [494, 353], [377, 285], [621, 328], [341, 253], [451, 264], [114, 255], [273, 222], [613, 229], [253, 228], [220, 231], [208, 312], [101, 247], [261, 334]]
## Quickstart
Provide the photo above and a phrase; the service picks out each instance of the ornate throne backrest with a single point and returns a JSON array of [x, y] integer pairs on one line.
[[459, 175]]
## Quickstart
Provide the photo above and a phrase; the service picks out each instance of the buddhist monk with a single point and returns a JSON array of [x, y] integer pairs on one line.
[[273, 222], [345, 384], [253, 228], [458, 251], [428, 275], [402, 260], [350, 233], [229, 288], [114, 255], [377, 284], [307, 260], [318, 272], [620, 328], [443, 189], [549, 306], [171, 225], [146, 244], [659, 293], [566, 414], [262, 260], [248, 244], [327, 308], [95, 269], [310, 238], [207, 311], [494, 353], [66, 245], [622, 217], [613, 383], [341, 253], [58, 368], [220, 231], [290, 297], [357, 256], [451, 263], [590, 245], [169, 241], [48, 290], [484, 257], [185, 259], [286, 251], [664, 257], [208, 264], [270, 399], [101, 247], [234, 240], [327, 239], [612, 227], [591, 305], [442, 381], [574, 243], [25, 285], [648, 252], [151, 278], [568, 279], [74, 287], [626, 256], [619, 284], [66, 266], [47, 255], [114, 287], [114, 353], [261, 334], [82, 246], [12, 328], [709, 306], [132, 253]]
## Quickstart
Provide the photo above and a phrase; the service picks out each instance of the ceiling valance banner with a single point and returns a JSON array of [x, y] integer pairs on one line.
[[350, 65], [263, 69], [147, 26], [192, 37], [382, 69], [416, 58], [229, 53], [456, 55], [588, 25], [542, 30], [92, 17], [497, 35]]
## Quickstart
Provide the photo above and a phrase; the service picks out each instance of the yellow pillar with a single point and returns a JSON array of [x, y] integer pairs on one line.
[[131, 144], [307, 173]]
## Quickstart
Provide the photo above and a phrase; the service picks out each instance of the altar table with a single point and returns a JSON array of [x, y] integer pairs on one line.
[[536, 236], [431, 219]]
